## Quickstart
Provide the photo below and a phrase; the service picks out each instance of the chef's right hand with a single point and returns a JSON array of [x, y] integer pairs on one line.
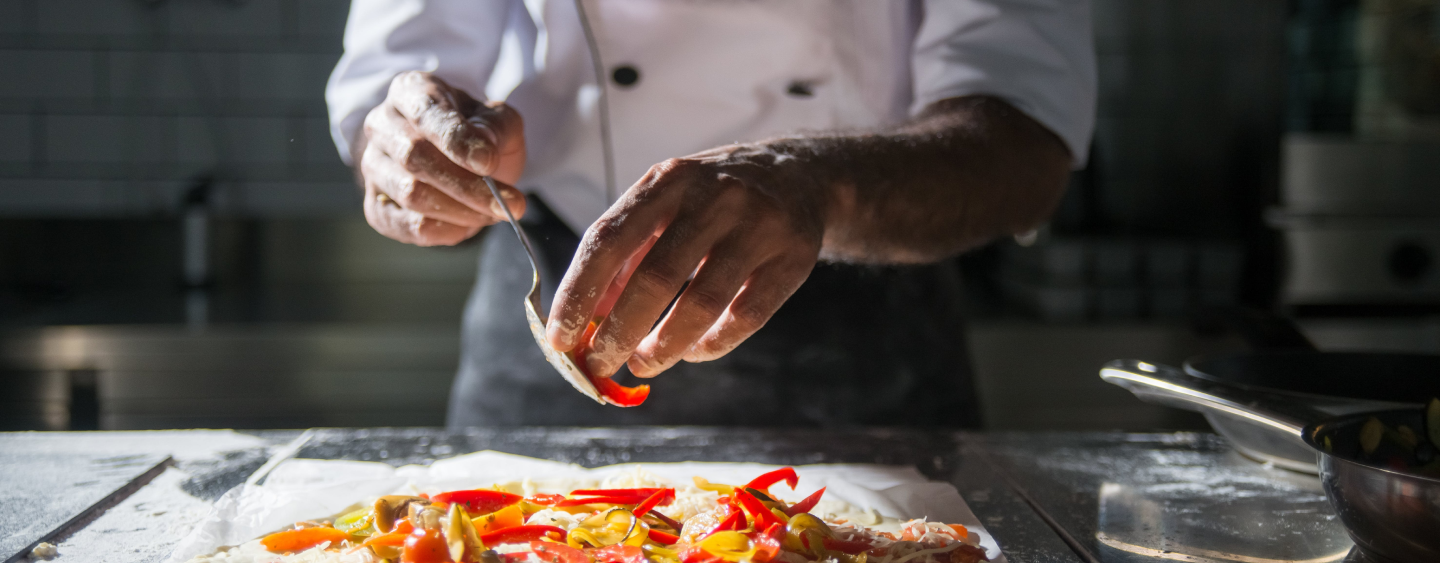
[[421, 157]]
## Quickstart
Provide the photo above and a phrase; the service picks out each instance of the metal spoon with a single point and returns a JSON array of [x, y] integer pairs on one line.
[[560, 360]]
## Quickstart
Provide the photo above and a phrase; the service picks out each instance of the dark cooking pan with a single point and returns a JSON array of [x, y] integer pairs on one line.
[[1286, 365], [1391, 512], [1335, 383]]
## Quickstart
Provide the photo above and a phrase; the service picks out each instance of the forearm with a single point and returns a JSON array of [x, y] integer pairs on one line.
[[964, 172]]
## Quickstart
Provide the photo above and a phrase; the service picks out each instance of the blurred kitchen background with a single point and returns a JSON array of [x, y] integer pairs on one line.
[[180, 245]]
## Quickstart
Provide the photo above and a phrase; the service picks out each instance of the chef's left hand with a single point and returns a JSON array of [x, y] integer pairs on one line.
[[748, 229]]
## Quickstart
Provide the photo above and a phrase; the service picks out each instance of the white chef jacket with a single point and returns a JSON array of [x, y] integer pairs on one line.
[[713, 72]]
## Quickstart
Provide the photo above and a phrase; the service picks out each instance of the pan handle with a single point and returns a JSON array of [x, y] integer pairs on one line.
[[1165, 385]]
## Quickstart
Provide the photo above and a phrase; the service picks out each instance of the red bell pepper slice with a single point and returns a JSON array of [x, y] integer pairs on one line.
[[734, 521], [694, 554], [642, 493], [761, 516], [620, 395], [545, 499], [618, 553], [764, 482], [619, 499], [617, 394], [807, 504], [663, 538], [660, 498], [526, 533], [478, 502], [557, 553], [767, 545]]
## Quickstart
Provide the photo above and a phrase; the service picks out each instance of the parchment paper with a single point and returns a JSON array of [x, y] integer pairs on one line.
[[303, 489]]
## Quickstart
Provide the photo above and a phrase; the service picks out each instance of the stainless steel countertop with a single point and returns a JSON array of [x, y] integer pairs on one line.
[[1113, 497]]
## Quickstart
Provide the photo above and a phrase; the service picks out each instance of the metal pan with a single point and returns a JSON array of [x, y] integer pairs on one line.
[[1334, 383], [1285, 364], [1327, 379], [1393, 516]]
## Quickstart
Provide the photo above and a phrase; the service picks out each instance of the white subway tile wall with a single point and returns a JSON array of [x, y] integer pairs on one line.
[[112, 108]]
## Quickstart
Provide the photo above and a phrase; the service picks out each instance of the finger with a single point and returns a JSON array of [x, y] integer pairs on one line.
[[398, 139], [701, 304], [466, 131], [402, 187], [617, 286], [510, 158], [404, 225], [650, 290], [763, 294], [643, 211]]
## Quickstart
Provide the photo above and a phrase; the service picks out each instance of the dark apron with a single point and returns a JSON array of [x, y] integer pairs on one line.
[[854, 345]]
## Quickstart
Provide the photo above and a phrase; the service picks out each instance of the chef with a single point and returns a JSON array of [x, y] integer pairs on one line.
[[757, 202]]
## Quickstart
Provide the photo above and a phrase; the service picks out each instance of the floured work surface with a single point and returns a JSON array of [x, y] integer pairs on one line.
[[46, 484], [47, 478], [1184, 496]]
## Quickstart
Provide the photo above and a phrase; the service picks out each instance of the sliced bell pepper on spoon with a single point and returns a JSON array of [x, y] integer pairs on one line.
[[614, 393]]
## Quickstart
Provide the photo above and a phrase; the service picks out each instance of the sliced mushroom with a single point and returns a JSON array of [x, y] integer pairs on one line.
[[391, 508], [465, 545], [425, 516]]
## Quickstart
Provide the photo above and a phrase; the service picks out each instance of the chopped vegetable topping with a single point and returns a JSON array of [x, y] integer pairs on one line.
[[303, 538], [708, 523]]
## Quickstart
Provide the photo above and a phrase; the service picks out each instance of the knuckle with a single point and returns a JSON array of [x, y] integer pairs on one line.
[[605, 230], [378, 219], [429, 232], [668, 168], [409, 192], [706, 304], [749, 316], [374, 121], [411, 153], [710, 348], [770, 224], [729, 196], [687, 168], [369, 161], [407, 80], [461, 138], [656, 280]]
